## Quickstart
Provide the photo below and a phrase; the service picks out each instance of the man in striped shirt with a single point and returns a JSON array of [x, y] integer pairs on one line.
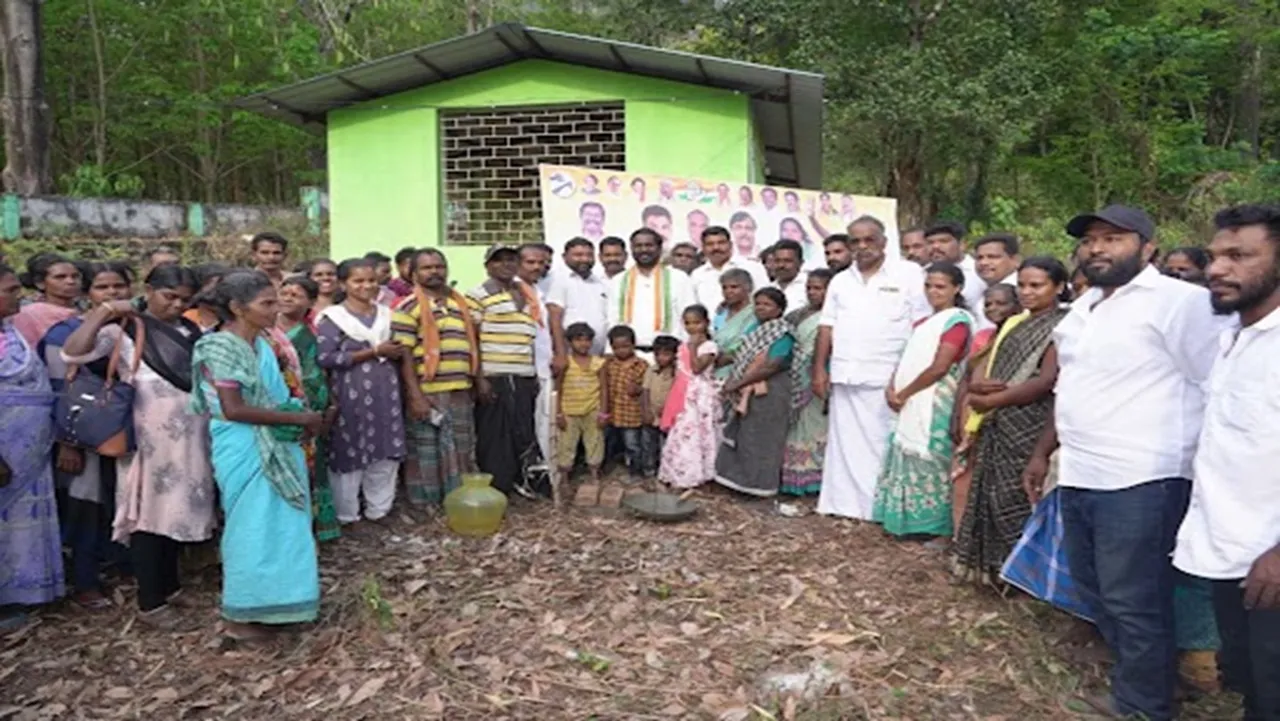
[[434, 321], [507, 318]]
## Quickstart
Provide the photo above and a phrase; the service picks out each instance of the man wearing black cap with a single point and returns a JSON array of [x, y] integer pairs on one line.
[[507, 388], [1133, 354]]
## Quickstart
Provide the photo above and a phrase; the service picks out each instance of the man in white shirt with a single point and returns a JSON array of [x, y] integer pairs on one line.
[[1133, 355], [865, 323], [838, 253], [648, 297], [577, 296], [717, 248], [945, 241], [996, 258], [788, 278], [913, 247], [533, 262], [1231, 533]]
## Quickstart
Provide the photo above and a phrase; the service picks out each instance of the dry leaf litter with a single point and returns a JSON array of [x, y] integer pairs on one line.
[[740, 614]]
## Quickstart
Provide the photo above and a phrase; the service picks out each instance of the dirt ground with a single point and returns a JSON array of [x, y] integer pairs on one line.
[[738, 614]]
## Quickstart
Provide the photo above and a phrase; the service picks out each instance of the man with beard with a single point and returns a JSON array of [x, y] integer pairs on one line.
[[434, 321], [1133, 356], [613, 257], [530, 274], [649, 297], [507, 388], [945, 241], [1231, 534], [577, 296], [717, 248], [864, 327], [913, 246], [839, 254], [269, 252], [996, 258]]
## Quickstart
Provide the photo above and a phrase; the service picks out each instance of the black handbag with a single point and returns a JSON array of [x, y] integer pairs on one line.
[[97, 413]]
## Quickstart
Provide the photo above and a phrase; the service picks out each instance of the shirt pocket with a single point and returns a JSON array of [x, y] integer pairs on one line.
[[892, 304]]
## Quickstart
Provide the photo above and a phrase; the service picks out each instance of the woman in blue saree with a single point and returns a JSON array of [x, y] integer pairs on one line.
[[269, 570], [31, 570]]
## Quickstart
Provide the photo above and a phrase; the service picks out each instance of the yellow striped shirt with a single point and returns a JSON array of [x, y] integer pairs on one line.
[[506, 332], [454, 371]]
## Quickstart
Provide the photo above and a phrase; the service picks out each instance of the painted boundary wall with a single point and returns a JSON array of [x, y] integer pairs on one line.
[[385, 159]]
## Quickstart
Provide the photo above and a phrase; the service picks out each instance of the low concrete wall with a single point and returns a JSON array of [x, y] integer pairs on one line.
[[52, 216]]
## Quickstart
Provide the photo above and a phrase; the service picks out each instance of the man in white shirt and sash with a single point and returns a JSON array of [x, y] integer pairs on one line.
[[1231, 533], [864, 327], [1133, 355], [717, 248], [648, 297], [534, 260]]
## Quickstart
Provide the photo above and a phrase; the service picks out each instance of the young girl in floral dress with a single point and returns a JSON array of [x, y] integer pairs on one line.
[[691, 417]]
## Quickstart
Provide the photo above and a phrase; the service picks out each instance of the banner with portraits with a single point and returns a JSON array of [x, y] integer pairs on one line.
[[596, 204]]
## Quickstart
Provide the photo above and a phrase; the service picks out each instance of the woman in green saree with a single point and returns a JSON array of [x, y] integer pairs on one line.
[[807, 435], [734, 319], [297, 298]]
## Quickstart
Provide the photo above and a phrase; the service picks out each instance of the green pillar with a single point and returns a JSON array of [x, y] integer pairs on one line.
[[12, 217], [311, 207], [195, 219]]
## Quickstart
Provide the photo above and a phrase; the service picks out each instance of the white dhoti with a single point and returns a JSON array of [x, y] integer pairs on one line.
[[858, 425], [542, 418]]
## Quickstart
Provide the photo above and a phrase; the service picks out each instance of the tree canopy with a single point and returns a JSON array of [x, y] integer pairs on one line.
[[1001, 113]]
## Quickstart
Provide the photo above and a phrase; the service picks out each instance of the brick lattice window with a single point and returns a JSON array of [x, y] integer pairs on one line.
[[491, 159]]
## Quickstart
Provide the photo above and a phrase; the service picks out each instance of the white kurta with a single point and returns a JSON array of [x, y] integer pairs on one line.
[[860, 422]]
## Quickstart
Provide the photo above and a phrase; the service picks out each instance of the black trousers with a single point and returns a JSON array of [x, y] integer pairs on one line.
[[1250, 656], [155, 565], [506, 443]]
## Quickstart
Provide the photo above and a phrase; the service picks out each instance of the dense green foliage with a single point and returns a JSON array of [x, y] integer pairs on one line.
[[1010, 113]]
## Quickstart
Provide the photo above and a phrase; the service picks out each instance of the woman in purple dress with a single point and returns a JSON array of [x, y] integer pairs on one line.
[[364, 364]]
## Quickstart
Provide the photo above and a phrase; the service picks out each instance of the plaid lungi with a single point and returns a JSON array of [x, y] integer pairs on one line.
[[442, 453], [1038, 563]]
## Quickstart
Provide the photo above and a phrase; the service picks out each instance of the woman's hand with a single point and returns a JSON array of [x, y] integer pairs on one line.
[[389, 349], [821, 384], [981, 403], [70, 460], [894, 400], [987, 387]]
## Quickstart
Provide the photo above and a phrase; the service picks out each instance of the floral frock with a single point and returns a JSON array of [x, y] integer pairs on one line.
[[689, 455]]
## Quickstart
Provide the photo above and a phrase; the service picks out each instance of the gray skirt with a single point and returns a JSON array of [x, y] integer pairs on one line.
[[750, 456]]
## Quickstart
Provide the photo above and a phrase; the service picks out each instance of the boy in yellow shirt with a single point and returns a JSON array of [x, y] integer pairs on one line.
[[580, 412]]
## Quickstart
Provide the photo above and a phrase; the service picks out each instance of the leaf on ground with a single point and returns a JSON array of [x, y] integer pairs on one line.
[[367, 690]]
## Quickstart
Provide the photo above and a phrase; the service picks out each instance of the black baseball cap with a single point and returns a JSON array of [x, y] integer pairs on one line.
[[1134, 220]]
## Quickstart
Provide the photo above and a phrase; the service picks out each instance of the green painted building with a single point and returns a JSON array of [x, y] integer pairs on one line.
[[439, 146]]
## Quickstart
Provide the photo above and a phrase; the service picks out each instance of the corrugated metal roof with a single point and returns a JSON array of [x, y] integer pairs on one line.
[[787, 104]]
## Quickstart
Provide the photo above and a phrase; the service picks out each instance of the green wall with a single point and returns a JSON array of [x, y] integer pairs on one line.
[[384, 162]]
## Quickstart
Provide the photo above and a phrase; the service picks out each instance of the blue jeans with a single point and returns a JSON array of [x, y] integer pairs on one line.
[[651, 440], [1118, 546], [633, 449], [1250, 657]]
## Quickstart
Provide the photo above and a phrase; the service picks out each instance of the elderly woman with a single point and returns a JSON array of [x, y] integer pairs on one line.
[[733, 319], [757, 394]]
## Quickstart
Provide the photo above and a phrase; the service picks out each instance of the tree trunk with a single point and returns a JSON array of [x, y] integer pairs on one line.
[[23, 108]]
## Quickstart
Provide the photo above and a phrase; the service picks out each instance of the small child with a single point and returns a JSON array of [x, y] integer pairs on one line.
[[692, 414], [657, 386], [580, 415], [624, 374]]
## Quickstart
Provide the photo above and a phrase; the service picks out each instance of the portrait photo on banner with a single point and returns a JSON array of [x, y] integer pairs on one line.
[[596, 204]]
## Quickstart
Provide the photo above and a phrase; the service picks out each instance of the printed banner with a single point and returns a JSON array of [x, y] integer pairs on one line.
[[595, 204]]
